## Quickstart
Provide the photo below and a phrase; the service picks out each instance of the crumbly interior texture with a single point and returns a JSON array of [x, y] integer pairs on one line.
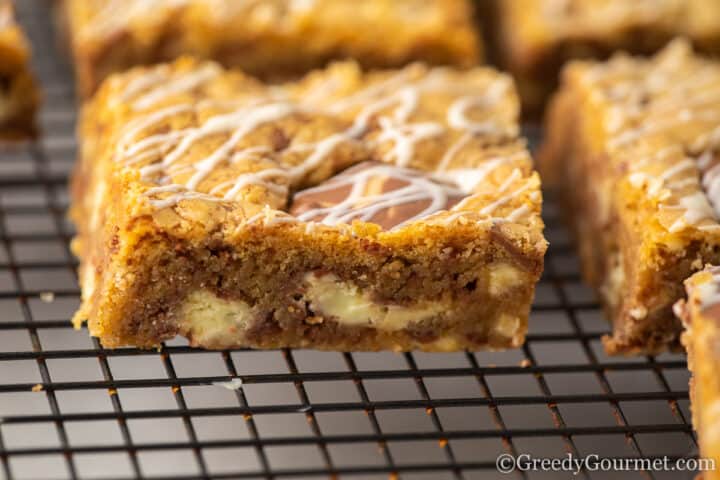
[[537, 37], [322, 213], [701, 318], [19, 96], [278, 38], [636, 142]]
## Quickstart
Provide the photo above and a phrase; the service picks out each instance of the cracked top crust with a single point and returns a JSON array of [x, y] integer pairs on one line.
[[658, 121], [198, 148]]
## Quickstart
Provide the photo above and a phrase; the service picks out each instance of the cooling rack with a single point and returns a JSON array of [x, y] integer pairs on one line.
[[70, 409]]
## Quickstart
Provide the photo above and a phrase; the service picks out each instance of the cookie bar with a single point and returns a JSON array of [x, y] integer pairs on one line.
[[701, 317], [272, 39], [536, 37], [637, 142], [19, 96], [349, 211]]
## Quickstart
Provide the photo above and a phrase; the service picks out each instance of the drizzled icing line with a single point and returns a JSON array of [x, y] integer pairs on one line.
[[677, 93], [172, 199], [394, 93], [460, 210], [184, 83], [405, 137], [358, 205]]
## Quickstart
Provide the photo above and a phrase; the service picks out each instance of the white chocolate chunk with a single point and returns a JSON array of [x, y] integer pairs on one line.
[[507, 326], [210, 320], [343, 301], [504, 277]]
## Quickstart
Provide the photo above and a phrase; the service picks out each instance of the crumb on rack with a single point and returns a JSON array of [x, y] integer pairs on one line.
[[233, 384], [47, 297]]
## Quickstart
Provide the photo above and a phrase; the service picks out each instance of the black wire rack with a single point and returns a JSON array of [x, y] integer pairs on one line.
[[70, 409]]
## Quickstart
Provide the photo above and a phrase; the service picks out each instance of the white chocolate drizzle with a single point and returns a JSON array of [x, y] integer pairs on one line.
[[669, 106], [382, 116], [178, 192], [172, 86], [405, 137], [360, 205]]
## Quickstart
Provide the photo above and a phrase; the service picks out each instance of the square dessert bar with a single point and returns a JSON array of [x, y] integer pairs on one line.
[[19, 96], [637, 142], [349, 211], [701, 318], [272, 39], [536, 37]]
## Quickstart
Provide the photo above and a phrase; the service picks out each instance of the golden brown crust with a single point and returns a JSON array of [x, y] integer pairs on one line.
[[19, 96], [700, 315], [638, 141], [538, 36], [278, 38], [186, 172]]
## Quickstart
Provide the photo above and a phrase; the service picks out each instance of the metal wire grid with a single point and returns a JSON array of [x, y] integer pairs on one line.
[[70, 409]]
